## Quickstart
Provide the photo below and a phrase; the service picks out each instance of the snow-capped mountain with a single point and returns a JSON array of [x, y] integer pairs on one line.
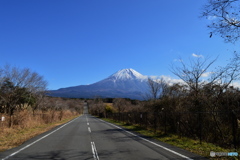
[[125, 74], [126, 83]]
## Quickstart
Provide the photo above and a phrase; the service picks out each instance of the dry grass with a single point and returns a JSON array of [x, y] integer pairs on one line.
[[26, 126], [110, 104]]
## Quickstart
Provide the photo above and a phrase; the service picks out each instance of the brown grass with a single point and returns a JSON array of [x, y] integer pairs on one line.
[[25, 126]]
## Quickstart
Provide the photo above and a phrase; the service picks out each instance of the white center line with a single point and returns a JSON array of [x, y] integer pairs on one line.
[[89, 129], [94, 150], [88, 124]]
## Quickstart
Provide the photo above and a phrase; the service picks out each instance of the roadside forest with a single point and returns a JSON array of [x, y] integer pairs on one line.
[[23, 100], [203, 109]]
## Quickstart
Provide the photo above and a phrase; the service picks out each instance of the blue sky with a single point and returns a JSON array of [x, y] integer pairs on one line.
[[74, 42]]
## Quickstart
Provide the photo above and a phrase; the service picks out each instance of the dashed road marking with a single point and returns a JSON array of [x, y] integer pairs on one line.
[[86, 118], [94, 150], [89, 129]]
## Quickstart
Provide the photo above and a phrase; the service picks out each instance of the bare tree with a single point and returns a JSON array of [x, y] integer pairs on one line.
[[225, 18], [19, 86], [225, 75], [120, 104], [97, 107], [192, 74], [164, 88], [154, 88], [158, 88]]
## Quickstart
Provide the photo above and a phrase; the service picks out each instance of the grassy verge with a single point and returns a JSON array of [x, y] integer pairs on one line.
[[191, 145], [13, 137]]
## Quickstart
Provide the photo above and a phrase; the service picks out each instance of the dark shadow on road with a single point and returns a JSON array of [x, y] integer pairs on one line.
[[54, 155], [115, 135]]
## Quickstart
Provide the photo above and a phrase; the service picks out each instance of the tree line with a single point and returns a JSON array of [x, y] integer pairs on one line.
[[199, 108], [23, 89]]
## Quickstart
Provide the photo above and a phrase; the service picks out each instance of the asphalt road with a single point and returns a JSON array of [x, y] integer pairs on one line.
[[89, 138]]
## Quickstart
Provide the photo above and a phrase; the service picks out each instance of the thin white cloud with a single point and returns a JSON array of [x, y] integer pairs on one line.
[[207, 74], [178, 60], [211, 17], [236, 84], [196, 55], [171, 81], [155, 77], [167, 79]]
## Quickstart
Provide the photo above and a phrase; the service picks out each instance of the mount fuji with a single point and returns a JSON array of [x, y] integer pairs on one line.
[[126, 83]]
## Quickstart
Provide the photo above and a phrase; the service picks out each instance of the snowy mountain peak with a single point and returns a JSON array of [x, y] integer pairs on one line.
[[126, 83], [125, 74]]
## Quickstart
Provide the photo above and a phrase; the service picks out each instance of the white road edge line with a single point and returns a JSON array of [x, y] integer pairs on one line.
[[167, 149], [94, 150], [38, 139]]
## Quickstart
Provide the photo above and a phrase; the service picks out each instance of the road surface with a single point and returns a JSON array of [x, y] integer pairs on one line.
[[89, 138]]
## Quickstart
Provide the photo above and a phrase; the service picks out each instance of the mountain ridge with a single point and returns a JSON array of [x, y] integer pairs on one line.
[[125, 83]]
